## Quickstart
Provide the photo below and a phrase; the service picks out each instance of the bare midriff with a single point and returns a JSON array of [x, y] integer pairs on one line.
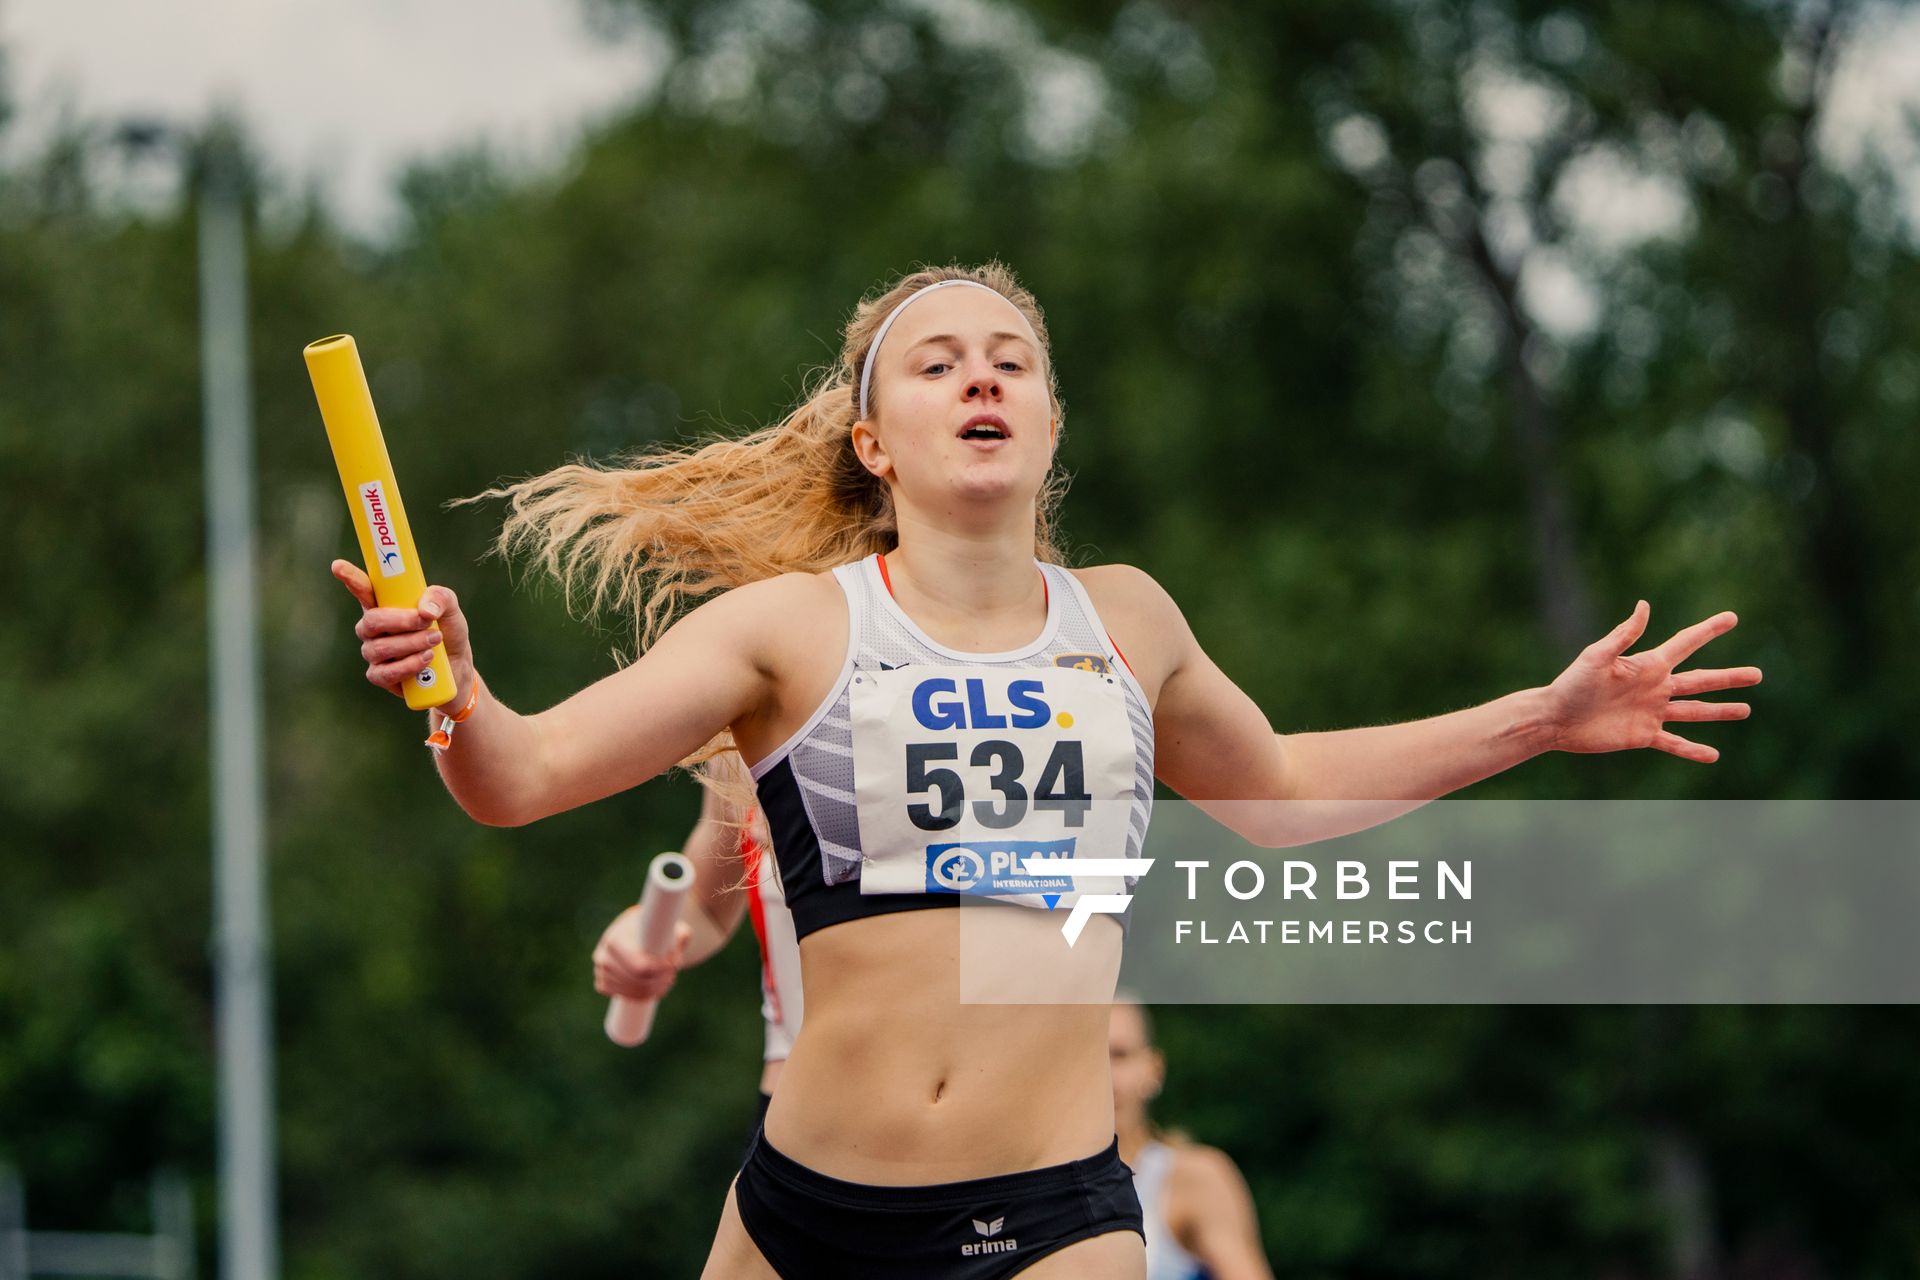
[[899, 1079]]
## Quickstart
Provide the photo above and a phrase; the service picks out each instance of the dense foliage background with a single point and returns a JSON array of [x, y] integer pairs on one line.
[[1407, 342]]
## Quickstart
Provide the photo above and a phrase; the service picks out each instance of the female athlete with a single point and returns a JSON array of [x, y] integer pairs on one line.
[[894, 646], [1197, 1211]]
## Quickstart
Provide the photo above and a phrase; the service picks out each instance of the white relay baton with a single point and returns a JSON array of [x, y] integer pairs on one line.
[[629, 1022]]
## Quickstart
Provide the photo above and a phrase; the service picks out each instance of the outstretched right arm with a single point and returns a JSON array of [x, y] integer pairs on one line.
[[710, 669]]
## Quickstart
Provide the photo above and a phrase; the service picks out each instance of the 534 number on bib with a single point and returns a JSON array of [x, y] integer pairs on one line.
[[1061, 787]]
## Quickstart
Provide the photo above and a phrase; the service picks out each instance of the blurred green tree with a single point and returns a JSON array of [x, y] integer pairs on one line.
[[1407, 341]]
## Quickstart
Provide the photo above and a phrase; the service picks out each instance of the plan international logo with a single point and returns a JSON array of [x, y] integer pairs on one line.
[[996, 867]]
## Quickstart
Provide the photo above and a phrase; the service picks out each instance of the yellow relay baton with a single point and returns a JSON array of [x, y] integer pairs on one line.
[[373, 497]]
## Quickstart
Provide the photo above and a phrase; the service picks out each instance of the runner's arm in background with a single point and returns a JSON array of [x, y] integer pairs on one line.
[[1212, 1215], [719, 899]]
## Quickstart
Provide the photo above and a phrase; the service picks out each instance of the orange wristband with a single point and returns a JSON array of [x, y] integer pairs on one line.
[[442, 738]]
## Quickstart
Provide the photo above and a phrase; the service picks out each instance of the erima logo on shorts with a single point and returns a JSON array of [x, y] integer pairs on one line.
[[989, 1229], [937, 704], [995, 867], [386, 548]]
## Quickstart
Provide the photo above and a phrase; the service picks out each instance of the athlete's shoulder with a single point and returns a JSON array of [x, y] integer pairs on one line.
[[1203, 1172], [788, 596], [1128, 578], [1140, 615], [791, 623], [1128, 587], [790, 588], [763, 620]]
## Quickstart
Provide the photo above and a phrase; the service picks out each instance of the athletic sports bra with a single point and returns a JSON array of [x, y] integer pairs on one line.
[[1166, 1260], [928, 774]]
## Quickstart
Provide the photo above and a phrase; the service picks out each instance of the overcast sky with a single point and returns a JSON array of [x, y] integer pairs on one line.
[[347, 89]]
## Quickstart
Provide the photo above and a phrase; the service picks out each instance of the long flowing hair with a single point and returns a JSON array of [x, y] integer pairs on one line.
[[647, 537]]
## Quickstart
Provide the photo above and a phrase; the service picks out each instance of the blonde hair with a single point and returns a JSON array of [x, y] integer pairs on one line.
[[651, 535]]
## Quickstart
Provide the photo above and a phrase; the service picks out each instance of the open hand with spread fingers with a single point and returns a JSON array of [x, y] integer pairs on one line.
[[1611, 700]]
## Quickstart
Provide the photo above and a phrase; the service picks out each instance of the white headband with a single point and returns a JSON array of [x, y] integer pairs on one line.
[[866, 370]]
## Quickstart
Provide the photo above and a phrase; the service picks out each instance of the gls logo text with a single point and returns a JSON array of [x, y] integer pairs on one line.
[[1029, 708]]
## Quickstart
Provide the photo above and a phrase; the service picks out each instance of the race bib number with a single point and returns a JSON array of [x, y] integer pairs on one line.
[[963, 773]]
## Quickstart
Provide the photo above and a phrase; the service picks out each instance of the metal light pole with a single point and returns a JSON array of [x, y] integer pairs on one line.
[[249, 1185]]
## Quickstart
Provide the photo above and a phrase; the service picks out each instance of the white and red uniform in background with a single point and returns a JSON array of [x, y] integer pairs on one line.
[[781, 1002]]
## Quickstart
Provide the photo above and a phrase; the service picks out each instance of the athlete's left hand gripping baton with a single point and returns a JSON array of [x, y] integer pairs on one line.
[[630, 1022], [373, 498]]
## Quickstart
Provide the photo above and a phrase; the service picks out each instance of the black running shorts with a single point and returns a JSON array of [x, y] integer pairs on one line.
[[807, 1224]]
